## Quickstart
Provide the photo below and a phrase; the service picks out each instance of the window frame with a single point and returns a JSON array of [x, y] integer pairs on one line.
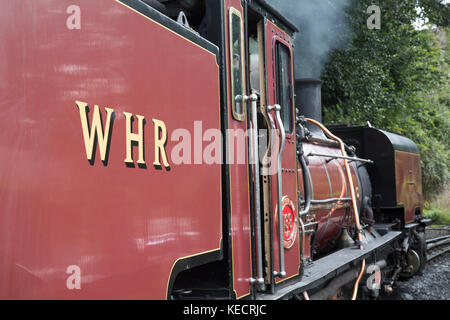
[[278, 44], [236, 115]]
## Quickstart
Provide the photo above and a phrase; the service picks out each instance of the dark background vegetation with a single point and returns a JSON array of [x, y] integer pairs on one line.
[[397, 78]]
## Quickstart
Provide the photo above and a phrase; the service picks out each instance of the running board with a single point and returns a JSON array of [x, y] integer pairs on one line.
[[331, 266]]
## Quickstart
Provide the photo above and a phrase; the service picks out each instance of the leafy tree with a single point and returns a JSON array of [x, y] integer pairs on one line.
[[437, 11], [396, 78]]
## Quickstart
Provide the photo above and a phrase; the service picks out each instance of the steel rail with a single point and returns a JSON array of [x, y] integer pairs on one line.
[[437, 239], [438, 244], [435, 245], [437, 253]]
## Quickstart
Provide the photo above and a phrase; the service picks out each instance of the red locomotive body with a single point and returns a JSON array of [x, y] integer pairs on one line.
[[146, 158], [118, 221]]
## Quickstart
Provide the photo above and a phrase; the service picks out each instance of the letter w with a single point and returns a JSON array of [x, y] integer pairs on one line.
[[96, 130]]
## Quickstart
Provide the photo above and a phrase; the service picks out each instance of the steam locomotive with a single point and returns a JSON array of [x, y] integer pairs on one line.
[[161, 149]]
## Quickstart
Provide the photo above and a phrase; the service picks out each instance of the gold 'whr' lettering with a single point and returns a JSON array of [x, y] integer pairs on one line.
[[136, 137], [96, 130], [160, 141]]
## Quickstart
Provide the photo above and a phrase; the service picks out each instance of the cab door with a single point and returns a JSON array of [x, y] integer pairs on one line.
[[237, 149], [285, 250]]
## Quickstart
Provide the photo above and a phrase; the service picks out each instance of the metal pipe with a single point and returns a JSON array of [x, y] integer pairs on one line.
[[277, 109], [324, 201], [311, 224], [326, 142], [339, 157], [306, 187], [303, 214], [303, 239], [353, 195], [347, 169], [260, 280], [329, 204], [334, 205], [306, 175], [316, 140]]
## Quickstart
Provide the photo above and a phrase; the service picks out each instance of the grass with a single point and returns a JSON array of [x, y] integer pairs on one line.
[[438, 209]]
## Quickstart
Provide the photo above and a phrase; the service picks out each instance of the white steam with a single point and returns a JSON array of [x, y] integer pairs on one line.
[[323, 27]]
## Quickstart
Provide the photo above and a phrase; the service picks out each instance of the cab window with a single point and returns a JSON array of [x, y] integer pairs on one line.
[[284, 86], [237, 64]]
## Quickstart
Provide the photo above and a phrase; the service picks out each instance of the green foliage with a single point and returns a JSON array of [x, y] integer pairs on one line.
[[397, 78], [436, 11], [437, 216]]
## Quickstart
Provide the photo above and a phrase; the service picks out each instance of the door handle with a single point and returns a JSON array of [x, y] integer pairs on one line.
[[277, 109], [253, 98], [240, 101]]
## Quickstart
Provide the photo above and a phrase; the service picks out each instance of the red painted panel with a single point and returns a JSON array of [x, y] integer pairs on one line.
[[408, 179], [239, 186], [124, 227]]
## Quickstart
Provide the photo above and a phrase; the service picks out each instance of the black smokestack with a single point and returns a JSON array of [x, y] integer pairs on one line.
[[308, 98]]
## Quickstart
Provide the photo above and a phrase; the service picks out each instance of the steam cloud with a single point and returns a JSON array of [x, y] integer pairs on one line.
[[323, 27]]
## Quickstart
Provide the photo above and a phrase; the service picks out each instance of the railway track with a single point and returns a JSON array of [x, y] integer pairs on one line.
[[439, 245]]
